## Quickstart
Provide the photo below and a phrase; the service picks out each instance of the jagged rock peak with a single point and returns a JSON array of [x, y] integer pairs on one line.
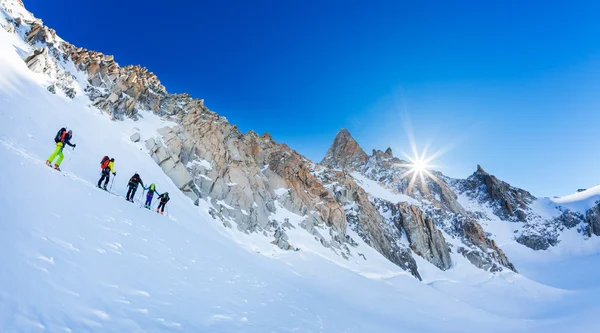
[[480, 170], [266, 136], [388, 153], [344, 152], [507, 201]]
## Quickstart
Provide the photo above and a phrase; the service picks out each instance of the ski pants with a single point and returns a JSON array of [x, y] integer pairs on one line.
[[131, 192], [149, 198], [105, 175], [57, 152], [161, 206]]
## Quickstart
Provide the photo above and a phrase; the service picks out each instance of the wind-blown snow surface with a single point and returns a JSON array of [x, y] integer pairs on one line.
[[580, 201], [78, 259]]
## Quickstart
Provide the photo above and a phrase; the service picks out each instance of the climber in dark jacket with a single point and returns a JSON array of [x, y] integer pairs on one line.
[[134, 181], [164, 198]]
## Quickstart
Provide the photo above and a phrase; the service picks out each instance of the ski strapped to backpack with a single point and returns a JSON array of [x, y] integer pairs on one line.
[[60, 135], [104, 162]]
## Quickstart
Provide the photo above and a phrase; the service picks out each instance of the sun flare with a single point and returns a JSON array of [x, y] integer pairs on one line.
[[419, 166]]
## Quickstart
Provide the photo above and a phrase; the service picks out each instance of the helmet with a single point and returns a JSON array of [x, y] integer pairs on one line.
[[112, 159]]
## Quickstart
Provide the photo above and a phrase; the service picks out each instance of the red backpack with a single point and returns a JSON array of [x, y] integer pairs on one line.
[[104, 162]]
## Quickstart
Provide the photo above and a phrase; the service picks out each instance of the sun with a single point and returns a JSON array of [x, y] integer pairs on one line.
[[417, 171], [419, 166], [416, 166]]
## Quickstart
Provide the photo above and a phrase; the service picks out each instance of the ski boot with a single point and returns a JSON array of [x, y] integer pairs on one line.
[[56, 167], [104, 188], [48, 163]]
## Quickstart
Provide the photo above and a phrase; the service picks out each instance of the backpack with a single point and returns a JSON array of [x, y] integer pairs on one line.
[[134, 179], [59, 136], [104, 162]]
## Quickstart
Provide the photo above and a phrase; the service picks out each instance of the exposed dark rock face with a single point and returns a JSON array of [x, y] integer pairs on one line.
[[420, 227], [364, 218], [344, 152], [472, 230], [535, 242], [593, 220], [425, 239], [508, 202]]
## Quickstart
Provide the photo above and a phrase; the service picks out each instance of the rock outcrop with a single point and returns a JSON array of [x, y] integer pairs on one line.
[[425, 239], [166, 153], [364, 218], [535, 241], [242, 174], [120, 91], [592, 218], [506, 201], [36, 61], [396, 174], [135, 137], [472, 230], [438, 209], [344, 153]]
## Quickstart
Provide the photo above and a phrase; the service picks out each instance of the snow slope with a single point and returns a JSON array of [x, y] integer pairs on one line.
[[78, 259], [580, 201]]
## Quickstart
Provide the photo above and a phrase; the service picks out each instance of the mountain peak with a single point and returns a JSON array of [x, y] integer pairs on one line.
[[266, 136], [388, 152], [344, 152], [480, 170]]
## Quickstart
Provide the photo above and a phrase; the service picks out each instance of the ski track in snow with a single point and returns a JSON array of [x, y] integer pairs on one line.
[[77, 259]]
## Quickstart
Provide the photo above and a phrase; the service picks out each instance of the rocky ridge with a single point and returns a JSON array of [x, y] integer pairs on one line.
[[435, 208]]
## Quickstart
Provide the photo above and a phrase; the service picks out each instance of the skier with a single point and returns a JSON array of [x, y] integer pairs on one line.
[[62, 137], [134, 181], [164, 198], [107, 166], [151, 189]]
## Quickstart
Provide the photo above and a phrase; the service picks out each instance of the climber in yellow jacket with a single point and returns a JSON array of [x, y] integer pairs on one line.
[[62, 137], [108, 166]]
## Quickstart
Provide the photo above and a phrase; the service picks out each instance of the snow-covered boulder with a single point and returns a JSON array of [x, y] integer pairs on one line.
[[36, 61], [135, 137]]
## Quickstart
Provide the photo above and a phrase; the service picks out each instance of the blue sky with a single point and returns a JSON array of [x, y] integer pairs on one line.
[[513, 85]]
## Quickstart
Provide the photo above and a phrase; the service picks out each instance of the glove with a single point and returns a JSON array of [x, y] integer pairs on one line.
[[74, 145], [114, 173]]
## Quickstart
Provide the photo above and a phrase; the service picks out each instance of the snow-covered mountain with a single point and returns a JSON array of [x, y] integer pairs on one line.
[[257, 237]]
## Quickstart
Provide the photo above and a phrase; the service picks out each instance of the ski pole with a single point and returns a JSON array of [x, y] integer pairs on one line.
[[140, 200], [111, 183]]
